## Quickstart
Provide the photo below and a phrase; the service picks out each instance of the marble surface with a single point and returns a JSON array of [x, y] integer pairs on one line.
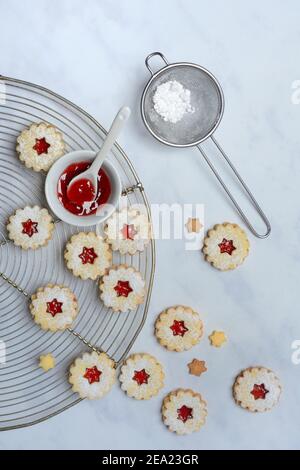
[[93, 53]]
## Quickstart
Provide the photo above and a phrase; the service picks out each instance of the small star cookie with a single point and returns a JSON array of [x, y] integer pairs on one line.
[[184, 411], [92, 375], [257, 389], [87, 255], [217, 339], [40, 146], [47, 362], [193, 225], [178, 328], [30, 228], [142, 376], [197, 367], [128, 231], [122, 288], [226, 246], [53, 307]]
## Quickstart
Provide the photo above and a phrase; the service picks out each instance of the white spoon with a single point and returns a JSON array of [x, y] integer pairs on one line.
[[90, 176]]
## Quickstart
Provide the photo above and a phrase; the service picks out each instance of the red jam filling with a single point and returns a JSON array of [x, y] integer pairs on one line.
[[259, 392], [54, 307], [29, 228], [88, 256], [226, 246], [81, 191], [128, 232], [92, 374], [184, 413], [41, 146], [123, 288], [178, 328], [85, 208], [141, 377]]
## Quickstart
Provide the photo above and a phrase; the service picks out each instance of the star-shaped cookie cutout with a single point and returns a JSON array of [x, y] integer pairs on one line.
[[217, 338], [197, 367], [47, 362], [193, 225]]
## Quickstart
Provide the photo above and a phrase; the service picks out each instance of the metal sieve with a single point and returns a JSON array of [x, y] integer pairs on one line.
[[208, 101]]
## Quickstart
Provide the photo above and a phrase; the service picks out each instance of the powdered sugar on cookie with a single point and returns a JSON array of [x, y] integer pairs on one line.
[[257, 389], [141, 376], [30, 228], [92, 375], [123, 288], [128, 231], [184, 411], [54, 307], [87, 255], [40, 146], [226, 246], [178, 328]]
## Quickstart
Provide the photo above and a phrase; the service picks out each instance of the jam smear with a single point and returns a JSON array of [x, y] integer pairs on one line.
[[30, 227], [88, 256], [81, 191], [54, 307], [259, 392], [92, 374], [41, 146], [128, 232], [178, 328], [184, 413], [226, 246], [141, 377], [123, 288], [86, 208]]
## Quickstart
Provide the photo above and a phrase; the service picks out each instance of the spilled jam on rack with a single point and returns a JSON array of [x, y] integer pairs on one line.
[[128, 232], [178, 328], [184, 413], [88, 207], [41, 146], [54, 307], [123, 288], [259, 392], [29, 227], [226, 246], [92, 374], [141, 377], [88, 256]]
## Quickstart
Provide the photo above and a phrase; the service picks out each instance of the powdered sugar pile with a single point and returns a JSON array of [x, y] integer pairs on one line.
[[172, 101]]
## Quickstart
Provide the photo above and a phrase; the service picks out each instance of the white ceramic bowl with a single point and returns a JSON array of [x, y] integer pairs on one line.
[[51, 190]]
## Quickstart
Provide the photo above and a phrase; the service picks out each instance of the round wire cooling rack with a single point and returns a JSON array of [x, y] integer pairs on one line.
[[27, 394]]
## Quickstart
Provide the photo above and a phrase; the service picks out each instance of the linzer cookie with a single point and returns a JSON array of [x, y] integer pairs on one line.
[[40, 146], [184, 411], [226, 246], [92, 375], [87, 255], [257, 389], [128, 231], [178, 328], [30, 228], [54, 307], [122, 288], [141, 376]]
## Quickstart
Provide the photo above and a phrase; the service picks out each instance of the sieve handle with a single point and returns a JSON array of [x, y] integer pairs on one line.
[[244, 186], [153, 54]]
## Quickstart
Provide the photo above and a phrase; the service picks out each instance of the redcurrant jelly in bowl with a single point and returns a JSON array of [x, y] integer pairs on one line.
[[89, 206]]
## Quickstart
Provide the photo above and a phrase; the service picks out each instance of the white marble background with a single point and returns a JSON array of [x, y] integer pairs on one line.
[[93, 53]]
